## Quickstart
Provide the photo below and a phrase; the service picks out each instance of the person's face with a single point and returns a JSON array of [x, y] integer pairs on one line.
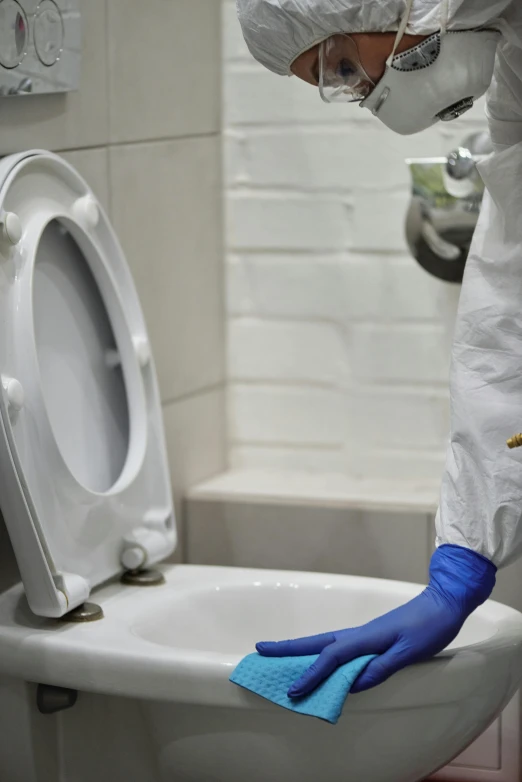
[[373, 50]]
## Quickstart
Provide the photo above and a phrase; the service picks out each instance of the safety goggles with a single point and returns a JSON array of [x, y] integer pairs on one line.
[[342, 78]]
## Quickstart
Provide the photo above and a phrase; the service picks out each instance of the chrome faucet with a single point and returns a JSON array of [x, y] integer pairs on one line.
[[446, 198]]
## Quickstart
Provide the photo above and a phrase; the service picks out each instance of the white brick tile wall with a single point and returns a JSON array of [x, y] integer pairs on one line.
[[388, 464], [332, 156], [254, 96], [261, 350], [292, 286], [400, 353], [234, 47], [341, 288], [338, 341], [396, 418], [281, 221], [328, 459], [378, 220], [285, 416]]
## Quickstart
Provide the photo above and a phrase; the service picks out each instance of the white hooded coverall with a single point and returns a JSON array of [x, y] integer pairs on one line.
[[481, 494]]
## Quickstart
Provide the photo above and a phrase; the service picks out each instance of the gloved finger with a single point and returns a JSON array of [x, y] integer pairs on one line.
[[312, 644], [321, 669], [358, 643], [378, 670]]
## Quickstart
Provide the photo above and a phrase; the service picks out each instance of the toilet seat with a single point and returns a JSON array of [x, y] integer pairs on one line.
[[84, 475]]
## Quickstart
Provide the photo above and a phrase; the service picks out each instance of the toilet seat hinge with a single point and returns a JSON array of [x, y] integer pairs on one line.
[[51, 699], [148, 543]]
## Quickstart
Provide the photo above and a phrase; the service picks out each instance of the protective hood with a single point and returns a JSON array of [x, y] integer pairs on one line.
[[278, 31]]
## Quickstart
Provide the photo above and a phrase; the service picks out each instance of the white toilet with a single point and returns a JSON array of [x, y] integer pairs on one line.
[[139, 689]]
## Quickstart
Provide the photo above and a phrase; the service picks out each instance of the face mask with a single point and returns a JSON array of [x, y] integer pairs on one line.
[[437, 80]]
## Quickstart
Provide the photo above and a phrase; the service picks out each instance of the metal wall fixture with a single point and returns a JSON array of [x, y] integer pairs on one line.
[[446, 195], [40, 46]]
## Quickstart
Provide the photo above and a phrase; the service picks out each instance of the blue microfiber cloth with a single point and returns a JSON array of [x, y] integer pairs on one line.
[[271, 678]]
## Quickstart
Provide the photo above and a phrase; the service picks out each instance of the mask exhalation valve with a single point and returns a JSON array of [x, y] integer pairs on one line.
[[455, 110]]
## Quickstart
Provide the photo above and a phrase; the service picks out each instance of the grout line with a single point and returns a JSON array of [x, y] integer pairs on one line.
[[384, 323], [439, 388], [324, 254], [279, 190], [342, 255], [315, 122], [110, 170], [193, 394], [277, 383], [140, 142], [336, 447], [437, 456], [278, 445], [108, 73]]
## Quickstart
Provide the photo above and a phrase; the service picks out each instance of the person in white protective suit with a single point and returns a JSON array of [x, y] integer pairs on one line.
[[413, 64]]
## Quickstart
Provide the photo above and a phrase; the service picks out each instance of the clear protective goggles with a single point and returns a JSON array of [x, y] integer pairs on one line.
[[342, 78]]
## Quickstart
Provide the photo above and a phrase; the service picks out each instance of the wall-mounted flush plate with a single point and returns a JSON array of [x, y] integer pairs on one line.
[[40, 46]]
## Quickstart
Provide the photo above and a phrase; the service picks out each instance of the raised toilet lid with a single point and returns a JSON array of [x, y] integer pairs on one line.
[[84, 479]]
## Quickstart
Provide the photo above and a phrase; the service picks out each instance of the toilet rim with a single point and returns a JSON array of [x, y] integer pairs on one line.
[[107, 657]]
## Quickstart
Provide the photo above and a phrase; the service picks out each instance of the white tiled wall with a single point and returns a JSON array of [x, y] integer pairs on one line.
[[148, 143], [338, 342], [309, 538]]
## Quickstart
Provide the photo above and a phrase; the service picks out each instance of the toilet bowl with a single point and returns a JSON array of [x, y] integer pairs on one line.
[[152, 678], [141, 690]]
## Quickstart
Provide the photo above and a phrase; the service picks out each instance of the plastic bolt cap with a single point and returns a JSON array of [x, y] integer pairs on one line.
[[86, 211], [133, 558], [14, 392], [12, 228]]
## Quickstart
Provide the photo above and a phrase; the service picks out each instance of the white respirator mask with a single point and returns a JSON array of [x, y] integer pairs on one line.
[[437, 80]]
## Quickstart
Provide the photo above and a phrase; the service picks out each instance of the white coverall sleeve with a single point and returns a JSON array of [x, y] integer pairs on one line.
[[481, 494]]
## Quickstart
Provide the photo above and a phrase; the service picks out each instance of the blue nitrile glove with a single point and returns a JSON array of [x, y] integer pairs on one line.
[[460, 581]]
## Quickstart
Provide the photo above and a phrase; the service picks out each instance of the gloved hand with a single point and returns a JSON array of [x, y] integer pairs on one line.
[[460, 580]]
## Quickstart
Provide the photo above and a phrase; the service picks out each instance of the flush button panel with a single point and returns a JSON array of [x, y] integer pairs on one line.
[[40, 46]]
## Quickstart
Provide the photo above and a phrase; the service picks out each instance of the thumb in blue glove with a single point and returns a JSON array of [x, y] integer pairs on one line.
[[460, 581]]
